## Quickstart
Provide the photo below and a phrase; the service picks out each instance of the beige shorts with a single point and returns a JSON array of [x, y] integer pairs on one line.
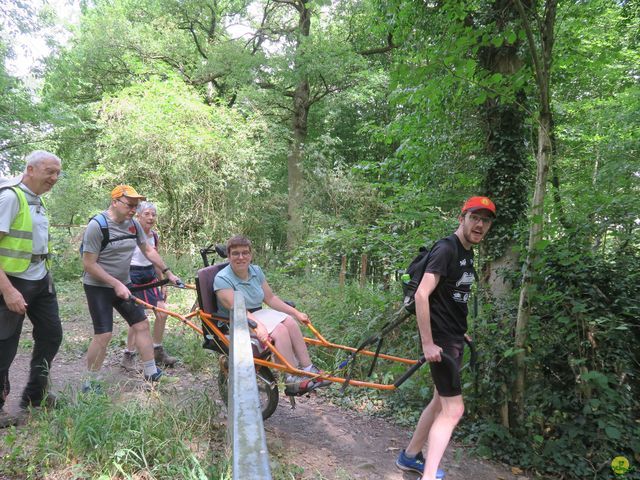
[[269, 318]]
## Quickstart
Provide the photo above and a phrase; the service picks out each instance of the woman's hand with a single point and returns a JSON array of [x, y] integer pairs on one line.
[[261, 332], [302, 318]]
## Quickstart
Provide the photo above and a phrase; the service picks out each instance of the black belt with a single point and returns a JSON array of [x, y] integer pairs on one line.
[[39, 258], [254, 309], [138, 267]]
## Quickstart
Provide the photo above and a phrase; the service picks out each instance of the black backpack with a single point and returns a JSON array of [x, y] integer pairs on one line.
[[413, 276], [104, 228]]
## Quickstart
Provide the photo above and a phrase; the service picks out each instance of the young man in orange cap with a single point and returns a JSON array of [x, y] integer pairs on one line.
[[106, 279], [441, 311]]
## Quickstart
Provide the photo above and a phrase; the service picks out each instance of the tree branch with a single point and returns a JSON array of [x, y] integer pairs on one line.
[[374, 51], [295, 5], [195, 40]]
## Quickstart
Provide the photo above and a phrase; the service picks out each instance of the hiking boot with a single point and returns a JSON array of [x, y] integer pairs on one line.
[[9, 420], [161, 378], [50, 401], [128, 361], [162, 358], [414, 464]]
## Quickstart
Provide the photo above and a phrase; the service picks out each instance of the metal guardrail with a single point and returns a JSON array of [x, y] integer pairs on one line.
[[250, 458]]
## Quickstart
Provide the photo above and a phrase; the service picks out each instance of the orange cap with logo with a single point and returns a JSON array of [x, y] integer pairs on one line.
[[126, 191], [479, 203]]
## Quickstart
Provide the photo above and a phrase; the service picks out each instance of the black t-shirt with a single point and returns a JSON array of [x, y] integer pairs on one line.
[[448, 302]]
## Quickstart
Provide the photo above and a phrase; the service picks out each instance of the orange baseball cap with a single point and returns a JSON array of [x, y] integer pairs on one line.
[[479, 203], [126, 191]]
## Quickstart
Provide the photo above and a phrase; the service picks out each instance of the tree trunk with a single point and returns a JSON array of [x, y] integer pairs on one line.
[[506, 178], [299, 126], [543, 159], [542, 69]]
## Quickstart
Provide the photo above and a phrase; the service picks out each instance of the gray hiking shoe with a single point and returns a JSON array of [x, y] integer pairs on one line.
[[128, 361], [319, 382], [296, 385], [162, 358]]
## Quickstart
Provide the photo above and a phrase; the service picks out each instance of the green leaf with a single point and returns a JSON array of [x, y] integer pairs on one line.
[[495, 78], [497, 41], [612, 432], [480, 99]]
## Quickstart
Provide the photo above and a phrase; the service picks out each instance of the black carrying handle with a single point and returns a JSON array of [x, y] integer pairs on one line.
[[451, 364], [159, 283], [147, 286], [218, 248], [473, 359]]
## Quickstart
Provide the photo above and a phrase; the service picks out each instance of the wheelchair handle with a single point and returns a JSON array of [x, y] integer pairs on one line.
[[473, 359], [147, 286], [447, 359]]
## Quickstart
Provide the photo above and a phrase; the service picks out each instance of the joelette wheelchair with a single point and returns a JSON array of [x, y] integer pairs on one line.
[[267, 359]]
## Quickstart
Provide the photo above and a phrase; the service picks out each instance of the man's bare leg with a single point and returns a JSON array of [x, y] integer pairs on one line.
[[421, 433], [440, 433], [97, 351]]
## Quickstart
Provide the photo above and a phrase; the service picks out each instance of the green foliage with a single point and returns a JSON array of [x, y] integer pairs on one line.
[[198, 163], [582, 363]]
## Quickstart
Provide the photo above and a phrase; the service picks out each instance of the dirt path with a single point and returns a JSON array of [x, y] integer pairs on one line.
[[324, 440]]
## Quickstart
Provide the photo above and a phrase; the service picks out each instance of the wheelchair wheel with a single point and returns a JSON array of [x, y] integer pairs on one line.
[[267, 387]]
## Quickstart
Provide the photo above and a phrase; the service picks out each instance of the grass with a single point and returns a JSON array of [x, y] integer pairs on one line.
[[101, 437]]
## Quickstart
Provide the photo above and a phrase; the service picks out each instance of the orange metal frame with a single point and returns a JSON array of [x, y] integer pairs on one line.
[[283, 365]]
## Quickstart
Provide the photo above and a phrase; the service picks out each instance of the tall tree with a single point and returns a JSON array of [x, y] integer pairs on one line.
[[540, 42]]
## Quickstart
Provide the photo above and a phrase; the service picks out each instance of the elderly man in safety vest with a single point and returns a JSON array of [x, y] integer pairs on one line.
[[26, 286]]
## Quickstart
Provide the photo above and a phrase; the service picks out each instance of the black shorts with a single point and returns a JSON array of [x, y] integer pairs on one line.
[[102, 301], [447, 382], [144, 275]]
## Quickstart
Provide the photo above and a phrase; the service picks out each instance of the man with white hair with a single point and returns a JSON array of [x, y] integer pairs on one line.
[[26, 286]]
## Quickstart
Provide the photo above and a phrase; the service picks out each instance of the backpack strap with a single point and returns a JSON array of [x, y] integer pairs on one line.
[[104, 228], [455, 258], [156, 239]]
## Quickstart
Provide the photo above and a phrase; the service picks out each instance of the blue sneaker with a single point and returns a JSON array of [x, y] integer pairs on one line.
[[161, 378], [415, 464], [155, 377], [92, 386]]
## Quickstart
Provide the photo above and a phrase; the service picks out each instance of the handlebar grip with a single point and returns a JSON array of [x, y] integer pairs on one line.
[[473, 360], [447, 359]]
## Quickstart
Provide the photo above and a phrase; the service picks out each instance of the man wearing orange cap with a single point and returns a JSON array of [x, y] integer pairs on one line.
[[106, 279], [441, 311]]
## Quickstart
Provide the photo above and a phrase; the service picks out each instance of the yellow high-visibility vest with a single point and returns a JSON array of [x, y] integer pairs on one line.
[[16, 247]]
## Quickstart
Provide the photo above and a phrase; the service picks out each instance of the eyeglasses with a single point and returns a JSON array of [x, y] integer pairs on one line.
[[244, 253], [130, 206], [478, 218]]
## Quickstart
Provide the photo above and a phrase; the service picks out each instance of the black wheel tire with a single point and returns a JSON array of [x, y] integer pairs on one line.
[[267, 388]]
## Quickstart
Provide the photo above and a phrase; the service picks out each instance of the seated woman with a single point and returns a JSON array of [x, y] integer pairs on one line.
[[277, 322]]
